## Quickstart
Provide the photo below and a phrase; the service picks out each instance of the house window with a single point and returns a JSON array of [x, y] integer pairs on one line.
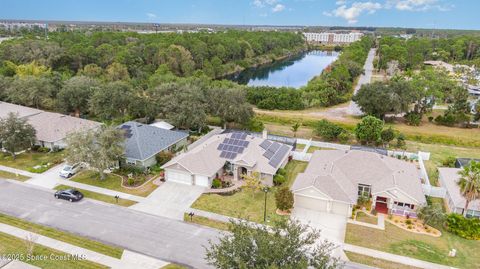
[[364, 190], [473, 214], [405, 205]]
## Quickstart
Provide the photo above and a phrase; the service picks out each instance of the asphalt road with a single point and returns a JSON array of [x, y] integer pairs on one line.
[[159, 237], [366, 78]]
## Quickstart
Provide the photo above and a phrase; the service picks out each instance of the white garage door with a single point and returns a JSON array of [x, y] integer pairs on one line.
[[341, 209], [202, 181], [310, 203], [178, 177]]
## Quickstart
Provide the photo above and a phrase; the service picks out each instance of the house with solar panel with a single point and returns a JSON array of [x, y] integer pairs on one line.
[[143, 142], [228, 156]]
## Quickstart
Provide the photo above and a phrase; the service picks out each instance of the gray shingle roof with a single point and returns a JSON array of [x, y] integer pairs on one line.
[[449, 178], [146, 141], [338, 173]]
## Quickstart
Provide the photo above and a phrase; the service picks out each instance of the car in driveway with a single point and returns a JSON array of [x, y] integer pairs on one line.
[[70, 170], [71, 195]]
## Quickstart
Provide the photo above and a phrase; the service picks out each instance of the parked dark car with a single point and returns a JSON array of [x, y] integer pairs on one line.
[[71, 195]]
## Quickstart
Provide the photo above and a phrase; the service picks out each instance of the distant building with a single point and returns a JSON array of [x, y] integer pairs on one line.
[[333, 38]]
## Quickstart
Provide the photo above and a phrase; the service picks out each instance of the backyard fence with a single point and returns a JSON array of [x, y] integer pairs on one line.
[[434, 191]]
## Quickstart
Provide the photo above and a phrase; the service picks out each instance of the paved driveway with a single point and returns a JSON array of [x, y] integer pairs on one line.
[[170, 200], [49, 179], [332, 226]]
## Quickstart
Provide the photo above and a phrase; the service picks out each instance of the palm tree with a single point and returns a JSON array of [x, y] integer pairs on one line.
[[295, 128], [469, 183]]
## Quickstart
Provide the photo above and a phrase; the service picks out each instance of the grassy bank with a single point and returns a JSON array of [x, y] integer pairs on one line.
[[428, 133], [76, 240], [11, 245], [206, 222], [384, 264], [100, 197], [8, 175]]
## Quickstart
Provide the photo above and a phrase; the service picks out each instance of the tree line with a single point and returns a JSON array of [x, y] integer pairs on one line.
[[333, 86], [410, 54], [414, 95]]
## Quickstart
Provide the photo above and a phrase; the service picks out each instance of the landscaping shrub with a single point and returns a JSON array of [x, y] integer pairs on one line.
[[328, 130], [413, 118], [216, 183], [408, 222], [282, 171], [344, 137], [374, 212], [279, 179], [449, 161], [131, 169], [163, 157], [468, 228], [284, 199]]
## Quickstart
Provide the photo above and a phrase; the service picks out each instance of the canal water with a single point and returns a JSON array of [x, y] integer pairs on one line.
[[292, 72]]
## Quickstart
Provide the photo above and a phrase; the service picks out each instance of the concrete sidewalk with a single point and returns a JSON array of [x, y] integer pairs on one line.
[[394, 258], [128, 260], [17, 171]]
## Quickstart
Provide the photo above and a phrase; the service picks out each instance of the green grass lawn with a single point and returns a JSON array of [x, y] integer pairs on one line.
[[173, 266], [76, 240], [362, 217], [300, 147], [423, 247], [312, 149], [100, 197], [246, 203], [27, 160], [16, 246], [8, 175], [206, 222], [112, 182], [439, 153], [384, 264]]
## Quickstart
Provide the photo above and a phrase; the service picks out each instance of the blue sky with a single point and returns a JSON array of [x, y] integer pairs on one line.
[[455, 14]]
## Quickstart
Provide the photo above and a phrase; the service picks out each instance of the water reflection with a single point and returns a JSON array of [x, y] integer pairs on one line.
[[292, 72]]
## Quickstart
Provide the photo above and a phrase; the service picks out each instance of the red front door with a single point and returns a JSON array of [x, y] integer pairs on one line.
[[381, 205]]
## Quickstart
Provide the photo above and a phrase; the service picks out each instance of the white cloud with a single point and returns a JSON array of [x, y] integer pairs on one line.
[[351, 14], [417, 5], [278, 8], [273, 5], [151, 15]]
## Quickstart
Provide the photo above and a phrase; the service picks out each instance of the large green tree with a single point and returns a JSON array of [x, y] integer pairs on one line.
[[369, 130], [99, 148], [469, 183], [75, 94], [287, 244], [15, 134], [112, 100], [31, 91], [230, 105]]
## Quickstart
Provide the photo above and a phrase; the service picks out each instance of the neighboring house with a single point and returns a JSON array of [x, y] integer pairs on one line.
[[143, 142], [455, 201], [228, 156], [51, 128], [335, 179]]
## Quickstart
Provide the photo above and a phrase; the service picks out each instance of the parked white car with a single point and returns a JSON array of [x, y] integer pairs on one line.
[[70, 170]]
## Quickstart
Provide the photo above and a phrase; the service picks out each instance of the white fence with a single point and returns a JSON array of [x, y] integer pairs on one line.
[[301, 156]]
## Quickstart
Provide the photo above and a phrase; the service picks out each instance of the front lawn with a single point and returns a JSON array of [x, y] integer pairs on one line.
[[76, 240], [422, 247], [11, 245], [27, 161], [378, 263], [100, 197], [8, 175], [112, 182], [362, 217], [245, 203]]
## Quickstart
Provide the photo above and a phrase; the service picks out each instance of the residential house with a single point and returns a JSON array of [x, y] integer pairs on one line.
[[334, 180], [228, 156], [448, 178], [143, 142], [51, 128]]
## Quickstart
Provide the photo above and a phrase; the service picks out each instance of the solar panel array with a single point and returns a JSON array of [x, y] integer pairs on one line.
[[231, 147], [128, 131], [274, 152]]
